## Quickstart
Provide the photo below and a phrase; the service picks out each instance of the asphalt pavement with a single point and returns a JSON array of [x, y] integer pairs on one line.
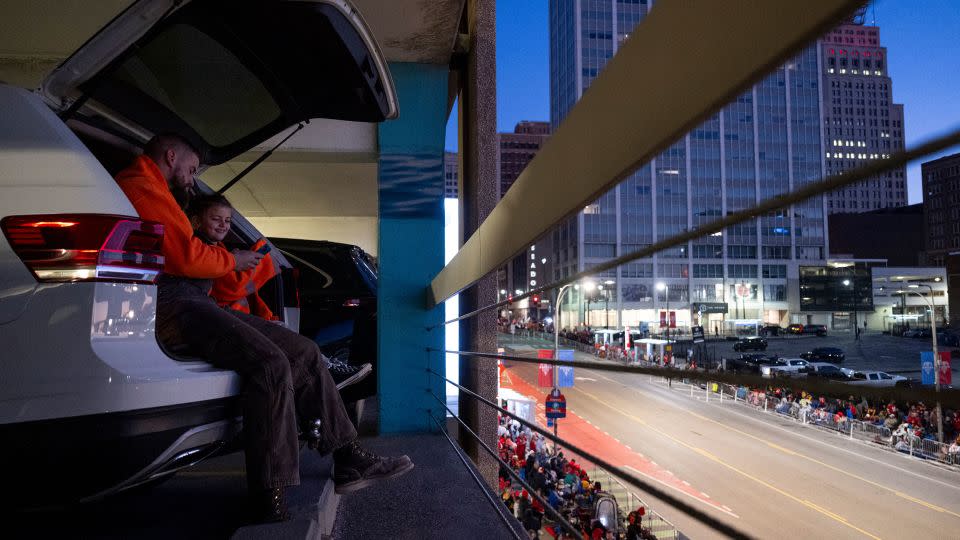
[[768, 477]]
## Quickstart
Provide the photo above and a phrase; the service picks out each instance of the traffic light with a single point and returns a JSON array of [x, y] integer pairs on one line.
[[536, 300]]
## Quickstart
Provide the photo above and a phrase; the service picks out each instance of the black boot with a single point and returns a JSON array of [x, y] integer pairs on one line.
[[269, 506], [355, 468]]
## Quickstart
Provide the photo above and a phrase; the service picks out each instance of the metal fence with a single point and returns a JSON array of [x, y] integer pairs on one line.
[[628, 501], [818, 418]]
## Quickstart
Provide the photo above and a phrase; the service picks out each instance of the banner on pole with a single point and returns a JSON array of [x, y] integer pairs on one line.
[[673, 319], [545, 373], [927, 374], [565, 373], [946, 373], [663, 318]]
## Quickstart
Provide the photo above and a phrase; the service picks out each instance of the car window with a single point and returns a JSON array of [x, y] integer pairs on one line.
[[885, 376], [165, 72], [859, 375]]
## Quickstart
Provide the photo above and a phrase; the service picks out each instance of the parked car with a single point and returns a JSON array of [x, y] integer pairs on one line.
[[798, 329], [913, 333], [750, 344], [92, 404], [876, 378], [824, 354], [824, 370], [749, 363], [795, 329], [784, 366], [338, 302], [772, 330]]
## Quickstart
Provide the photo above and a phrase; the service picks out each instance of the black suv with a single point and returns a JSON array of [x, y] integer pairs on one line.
[[338, 302], [750, 344], [824, 354]]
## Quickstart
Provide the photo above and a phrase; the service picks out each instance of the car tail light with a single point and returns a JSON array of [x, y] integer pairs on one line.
[[87, 247]]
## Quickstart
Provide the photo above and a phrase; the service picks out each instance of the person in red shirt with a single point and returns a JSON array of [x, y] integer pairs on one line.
[[282, 372]]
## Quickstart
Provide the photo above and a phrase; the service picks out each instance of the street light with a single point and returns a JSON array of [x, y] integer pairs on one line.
[[606, 302], [936, 355], [666, 288], [589, 287]]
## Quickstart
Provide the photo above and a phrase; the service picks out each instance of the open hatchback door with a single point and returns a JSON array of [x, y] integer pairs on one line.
[[225, 74]]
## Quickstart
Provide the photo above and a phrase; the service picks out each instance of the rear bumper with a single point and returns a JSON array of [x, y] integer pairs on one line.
[[87, 457]]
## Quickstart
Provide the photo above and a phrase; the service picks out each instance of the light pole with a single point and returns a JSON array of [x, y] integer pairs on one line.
[[936, 355], [556, 346], [856, 327], [666, 288]]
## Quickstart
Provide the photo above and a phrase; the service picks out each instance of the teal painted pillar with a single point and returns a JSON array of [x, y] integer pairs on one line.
[[411, 249]]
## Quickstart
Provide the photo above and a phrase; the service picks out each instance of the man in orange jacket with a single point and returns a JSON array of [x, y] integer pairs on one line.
[[283, 373]]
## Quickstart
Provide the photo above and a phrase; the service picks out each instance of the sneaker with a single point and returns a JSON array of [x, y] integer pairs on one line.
[[355, 468], [344, 374]]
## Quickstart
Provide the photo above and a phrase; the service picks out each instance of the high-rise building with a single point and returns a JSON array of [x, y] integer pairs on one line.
[[517, 149], [861, 122], [451, 175], [941, 208], [765, 143], [524, 271]]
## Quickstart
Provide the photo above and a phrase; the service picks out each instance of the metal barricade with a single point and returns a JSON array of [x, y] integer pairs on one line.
[[628, 501]]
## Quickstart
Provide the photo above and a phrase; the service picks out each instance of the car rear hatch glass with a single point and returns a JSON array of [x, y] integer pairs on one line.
[[228, 75]]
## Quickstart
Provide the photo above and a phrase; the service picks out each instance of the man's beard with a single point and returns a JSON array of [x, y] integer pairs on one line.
[[183, 195]]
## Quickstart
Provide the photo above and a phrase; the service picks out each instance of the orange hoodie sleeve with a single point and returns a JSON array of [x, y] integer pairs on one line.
[[238, 290], [186, 255]]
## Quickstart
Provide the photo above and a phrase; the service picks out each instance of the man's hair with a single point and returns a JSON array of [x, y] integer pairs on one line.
[[159, 144], [201, 203]]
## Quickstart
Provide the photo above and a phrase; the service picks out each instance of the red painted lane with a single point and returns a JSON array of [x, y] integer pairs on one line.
[[582, 433]]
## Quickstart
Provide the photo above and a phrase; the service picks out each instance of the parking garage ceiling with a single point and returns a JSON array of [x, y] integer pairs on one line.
[[327, 171]]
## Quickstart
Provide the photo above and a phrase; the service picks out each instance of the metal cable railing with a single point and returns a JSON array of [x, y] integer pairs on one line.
[[480, 483], [812, 189], [630, 478], [949, 398], [546, 505]]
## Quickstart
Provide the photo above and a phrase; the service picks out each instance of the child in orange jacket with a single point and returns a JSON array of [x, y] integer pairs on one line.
[[211, 217]]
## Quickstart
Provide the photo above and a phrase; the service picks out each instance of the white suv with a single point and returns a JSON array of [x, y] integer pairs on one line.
[[90, 403]]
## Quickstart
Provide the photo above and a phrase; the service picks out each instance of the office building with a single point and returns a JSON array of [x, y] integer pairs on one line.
[[451, 175], [941, 207], [517, 149], [887, 233], [861, 122], [766, 142]]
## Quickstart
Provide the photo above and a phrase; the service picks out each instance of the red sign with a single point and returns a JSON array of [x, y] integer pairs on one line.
[[663, 318], [556, 405], [946, 374], [743, 291], [545, 373], [673, 319]]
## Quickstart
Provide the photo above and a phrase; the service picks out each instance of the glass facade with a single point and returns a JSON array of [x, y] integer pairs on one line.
[[763, 144]]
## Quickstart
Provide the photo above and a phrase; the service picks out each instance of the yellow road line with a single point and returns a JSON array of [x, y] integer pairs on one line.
[[708, 455], [824, 464]]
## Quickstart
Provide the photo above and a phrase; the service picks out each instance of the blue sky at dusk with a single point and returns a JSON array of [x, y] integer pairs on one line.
[[923, 52]]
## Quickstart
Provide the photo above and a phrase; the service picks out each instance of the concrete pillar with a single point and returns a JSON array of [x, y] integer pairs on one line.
[[479, 155], [411, 249]]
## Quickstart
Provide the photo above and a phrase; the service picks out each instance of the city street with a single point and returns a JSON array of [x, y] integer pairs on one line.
[[764, 475]]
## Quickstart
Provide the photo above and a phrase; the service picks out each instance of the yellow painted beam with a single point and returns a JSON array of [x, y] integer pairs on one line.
[[686, 61]]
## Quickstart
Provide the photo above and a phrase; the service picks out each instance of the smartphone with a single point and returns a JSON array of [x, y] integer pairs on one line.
[[264, 249]]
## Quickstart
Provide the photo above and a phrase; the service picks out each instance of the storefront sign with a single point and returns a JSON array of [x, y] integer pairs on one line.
[[710, 307]]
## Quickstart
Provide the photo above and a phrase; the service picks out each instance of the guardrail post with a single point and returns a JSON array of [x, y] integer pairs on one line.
[[721, 392], [764, 403], [706, 392], [851, 429], [691, 390], [911, 445]]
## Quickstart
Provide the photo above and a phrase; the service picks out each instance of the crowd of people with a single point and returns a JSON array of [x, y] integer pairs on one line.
[[563, 483], [907, 422]]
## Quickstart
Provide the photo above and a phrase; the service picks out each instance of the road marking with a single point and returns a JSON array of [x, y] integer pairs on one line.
[[724, 509], [745, 474], [824, 443]]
